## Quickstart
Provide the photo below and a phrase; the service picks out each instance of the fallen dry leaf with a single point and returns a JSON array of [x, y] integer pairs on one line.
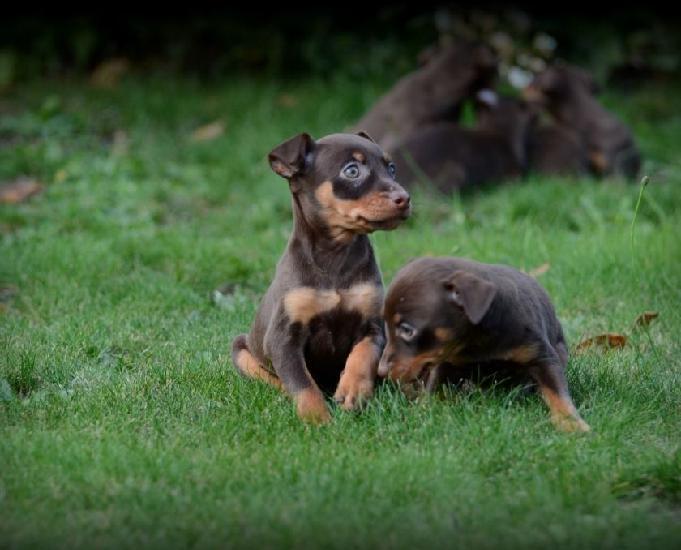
[[19, 190], [109, 73], [607, 340], [539, 270], [287, 100], [209, 131], [646, 318]]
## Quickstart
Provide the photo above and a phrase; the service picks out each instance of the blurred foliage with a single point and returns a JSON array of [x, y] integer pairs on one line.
[[360, 42]]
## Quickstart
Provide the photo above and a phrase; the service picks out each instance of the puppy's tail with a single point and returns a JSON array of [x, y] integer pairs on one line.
[[239, 344]]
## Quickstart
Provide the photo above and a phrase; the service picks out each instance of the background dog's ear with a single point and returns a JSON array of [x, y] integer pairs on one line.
[[363, 134], [471, 293], [288, 159]]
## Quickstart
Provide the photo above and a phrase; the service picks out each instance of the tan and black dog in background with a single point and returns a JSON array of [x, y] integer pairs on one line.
[[430, 93], [568, 93], [443, 313], [319, 325]]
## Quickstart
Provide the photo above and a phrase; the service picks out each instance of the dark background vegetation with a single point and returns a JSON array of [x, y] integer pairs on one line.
[[294, 40]]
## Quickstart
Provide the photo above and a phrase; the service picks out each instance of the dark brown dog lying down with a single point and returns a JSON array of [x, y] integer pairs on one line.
[[553, 149], [567, 92], [452, 157], [457, 312], [431, 92]]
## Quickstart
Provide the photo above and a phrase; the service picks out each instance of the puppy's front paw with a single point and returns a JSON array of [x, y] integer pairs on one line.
[[353, 391], [311, 406]]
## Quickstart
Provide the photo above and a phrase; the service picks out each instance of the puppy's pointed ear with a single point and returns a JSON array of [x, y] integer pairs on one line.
[[363, 134], [288, 159], [473, 294]]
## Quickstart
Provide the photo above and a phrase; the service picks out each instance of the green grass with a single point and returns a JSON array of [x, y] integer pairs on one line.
[[122, 422]]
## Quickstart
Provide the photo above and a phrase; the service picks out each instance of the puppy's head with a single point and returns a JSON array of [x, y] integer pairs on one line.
[[560, 83], [431, 313], [344, 183]]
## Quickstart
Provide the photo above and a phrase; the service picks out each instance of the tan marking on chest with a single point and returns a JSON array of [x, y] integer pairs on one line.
[[364, 298], [304, 303]]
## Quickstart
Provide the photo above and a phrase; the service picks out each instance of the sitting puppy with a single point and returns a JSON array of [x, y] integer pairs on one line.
[[319, 323], [451, 157], [553, 149], [433, 91], [458, 312], [568, 94]]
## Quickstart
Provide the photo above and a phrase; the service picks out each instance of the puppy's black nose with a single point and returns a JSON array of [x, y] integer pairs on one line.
[[401, 199]]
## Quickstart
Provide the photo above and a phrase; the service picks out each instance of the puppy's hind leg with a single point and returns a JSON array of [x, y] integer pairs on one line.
[[550, 377], [247, 365]]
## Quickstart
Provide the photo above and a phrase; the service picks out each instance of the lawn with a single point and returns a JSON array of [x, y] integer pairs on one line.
[[123, 423]]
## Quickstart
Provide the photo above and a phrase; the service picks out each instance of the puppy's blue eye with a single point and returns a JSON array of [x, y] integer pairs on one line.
[[351, 171], [405, 331], [392, 169]]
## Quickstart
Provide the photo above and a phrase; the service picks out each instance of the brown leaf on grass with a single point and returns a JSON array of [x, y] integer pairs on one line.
[[109, 73], [208, 132], [19, 190], [287, 101], [120, 143], [646, 318], [607, 340], [539, 270]]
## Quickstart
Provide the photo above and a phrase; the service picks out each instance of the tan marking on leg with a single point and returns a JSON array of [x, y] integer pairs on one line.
[[249, 366], [521, 354], [365, 298], [356, 384], [599, 162], [311, 406], [304, 303], [564, 415], [359, 157]]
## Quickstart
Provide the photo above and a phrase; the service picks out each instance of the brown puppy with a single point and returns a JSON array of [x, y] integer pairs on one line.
[[459, 312], [451, 157], [567, 92], [553, 149], [319, 324], [432, 92]]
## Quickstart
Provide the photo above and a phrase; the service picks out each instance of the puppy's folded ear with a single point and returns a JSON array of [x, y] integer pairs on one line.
[[470, 292], [288, 159], [363, 134]]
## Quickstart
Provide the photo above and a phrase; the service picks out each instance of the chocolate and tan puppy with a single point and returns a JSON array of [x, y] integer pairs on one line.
[[567, 92], [319, 324], [455, 311], [432, 92], [452, 157]]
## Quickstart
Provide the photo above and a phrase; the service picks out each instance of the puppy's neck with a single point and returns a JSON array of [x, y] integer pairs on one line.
[[318, 245]]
